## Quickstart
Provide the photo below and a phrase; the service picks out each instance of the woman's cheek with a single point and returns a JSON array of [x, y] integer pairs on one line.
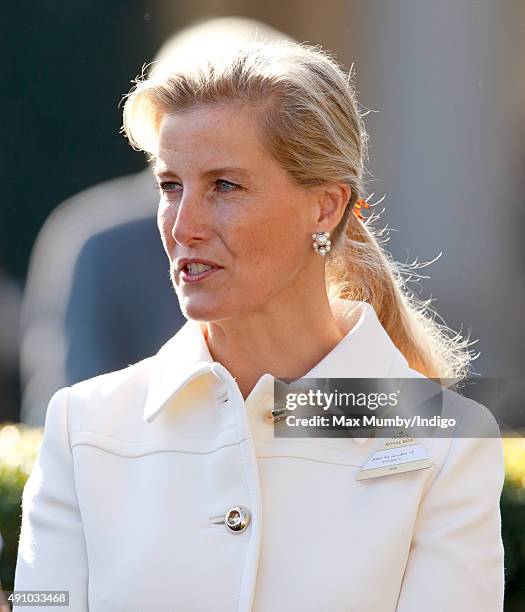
[[165, 221]]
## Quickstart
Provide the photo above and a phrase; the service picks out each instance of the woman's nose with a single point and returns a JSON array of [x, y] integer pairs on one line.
[[191, 222]]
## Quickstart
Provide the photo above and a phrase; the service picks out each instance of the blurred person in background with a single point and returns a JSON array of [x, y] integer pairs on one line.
[[162, 486], [98, 295]]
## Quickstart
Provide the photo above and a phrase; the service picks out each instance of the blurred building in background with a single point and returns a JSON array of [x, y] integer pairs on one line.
[[447, 147]]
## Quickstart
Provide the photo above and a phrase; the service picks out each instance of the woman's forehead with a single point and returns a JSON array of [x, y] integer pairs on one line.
[[213, 140], [211, 116]]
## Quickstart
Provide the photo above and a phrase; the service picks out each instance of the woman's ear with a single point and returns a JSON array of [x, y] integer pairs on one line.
[[331, 202]]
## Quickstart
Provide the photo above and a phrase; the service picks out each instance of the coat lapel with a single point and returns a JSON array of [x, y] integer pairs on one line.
[[182, 359]]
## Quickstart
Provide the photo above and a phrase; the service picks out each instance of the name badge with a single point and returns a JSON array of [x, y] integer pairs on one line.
[[399, 454]]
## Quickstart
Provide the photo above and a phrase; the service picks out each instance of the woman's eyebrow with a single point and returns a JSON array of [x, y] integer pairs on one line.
[[162, 172]]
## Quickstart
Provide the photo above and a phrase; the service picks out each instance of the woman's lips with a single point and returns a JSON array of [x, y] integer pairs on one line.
[[195, 278]]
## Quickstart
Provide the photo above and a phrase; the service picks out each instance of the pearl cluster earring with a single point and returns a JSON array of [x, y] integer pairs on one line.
[[321, 243]]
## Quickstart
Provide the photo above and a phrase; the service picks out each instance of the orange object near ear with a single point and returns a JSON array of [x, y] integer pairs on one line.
[[357, 208]]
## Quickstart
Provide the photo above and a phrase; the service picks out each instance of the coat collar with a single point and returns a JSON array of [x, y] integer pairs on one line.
[[366, 351]]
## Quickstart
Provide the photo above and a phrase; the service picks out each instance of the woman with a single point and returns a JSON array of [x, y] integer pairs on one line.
[[162, 486]]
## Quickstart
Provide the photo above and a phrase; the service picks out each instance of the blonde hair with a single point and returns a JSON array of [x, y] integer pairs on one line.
[[307, 108]]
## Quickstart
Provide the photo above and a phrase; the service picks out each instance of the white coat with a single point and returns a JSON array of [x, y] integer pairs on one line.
[[137, 467]]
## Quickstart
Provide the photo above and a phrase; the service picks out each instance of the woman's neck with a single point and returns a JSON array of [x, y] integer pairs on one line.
[[284, 342]]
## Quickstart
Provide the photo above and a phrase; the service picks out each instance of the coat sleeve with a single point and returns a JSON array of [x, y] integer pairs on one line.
[[456, 555], [51, 550]]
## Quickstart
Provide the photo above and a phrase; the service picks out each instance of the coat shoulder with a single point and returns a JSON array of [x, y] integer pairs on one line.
[[109, 401], [110, 382]]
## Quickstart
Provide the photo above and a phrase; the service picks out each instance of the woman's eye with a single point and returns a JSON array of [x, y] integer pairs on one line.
[[230, 186], [172, 187], [167, 186]]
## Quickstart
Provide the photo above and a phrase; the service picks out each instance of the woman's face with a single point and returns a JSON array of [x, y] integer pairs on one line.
[[226, 203]]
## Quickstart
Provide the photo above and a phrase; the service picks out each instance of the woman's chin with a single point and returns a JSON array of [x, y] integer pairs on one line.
[[201, 308]]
